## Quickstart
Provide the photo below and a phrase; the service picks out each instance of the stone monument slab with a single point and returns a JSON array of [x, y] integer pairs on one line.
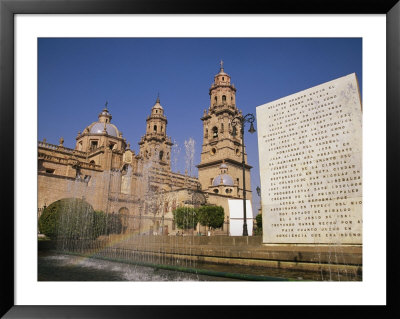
[[310, 155]]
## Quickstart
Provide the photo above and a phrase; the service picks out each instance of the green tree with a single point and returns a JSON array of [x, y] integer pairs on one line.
[[67, 218], [211, 216], [259, 224], [185, 217], [76, 219]]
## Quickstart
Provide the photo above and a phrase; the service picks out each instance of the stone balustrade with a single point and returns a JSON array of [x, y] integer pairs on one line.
[[64, 149]]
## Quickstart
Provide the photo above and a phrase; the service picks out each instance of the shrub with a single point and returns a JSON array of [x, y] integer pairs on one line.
[[99, 223], [49, 219], [75, 219], [66, 218], [211, 216], [113, 224], [259, 224], [185, 217]]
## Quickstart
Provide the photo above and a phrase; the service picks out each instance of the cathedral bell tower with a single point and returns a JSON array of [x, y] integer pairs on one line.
[[155, 146], [220, 146]]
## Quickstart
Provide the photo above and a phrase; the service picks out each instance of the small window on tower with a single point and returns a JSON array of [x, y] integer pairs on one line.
[[223, 98], [155, 128], [223, 79], [215, 132]]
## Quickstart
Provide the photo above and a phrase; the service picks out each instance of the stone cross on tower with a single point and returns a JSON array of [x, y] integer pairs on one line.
[[222, 64]]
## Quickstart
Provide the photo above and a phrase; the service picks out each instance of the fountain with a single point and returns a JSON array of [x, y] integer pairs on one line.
[[118, 244]]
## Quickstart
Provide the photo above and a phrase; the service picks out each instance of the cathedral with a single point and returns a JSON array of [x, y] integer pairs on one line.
[[103, 170]]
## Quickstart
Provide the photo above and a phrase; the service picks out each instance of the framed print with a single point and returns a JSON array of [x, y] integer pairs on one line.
[[158, 175]]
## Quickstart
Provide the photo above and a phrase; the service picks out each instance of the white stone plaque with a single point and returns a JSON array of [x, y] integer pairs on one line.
[[310, 153]]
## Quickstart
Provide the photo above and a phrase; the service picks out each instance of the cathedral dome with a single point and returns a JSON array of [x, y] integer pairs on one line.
[[98, 128], [223, 179], [103, 123]]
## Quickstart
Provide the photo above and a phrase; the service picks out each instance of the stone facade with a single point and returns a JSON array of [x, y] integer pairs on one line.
[[107, 173]]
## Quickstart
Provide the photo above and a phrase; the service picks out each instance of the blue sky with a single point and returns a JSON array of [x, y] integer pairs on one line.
[[76, 76]]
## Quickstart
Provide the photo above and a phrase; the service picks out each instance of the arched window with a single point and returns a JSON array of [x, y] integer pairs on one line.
[[215, 99], [155, 128], [215, 132], [161, 154], [223, 98], [206, 134], [216, 191], [162, 127]]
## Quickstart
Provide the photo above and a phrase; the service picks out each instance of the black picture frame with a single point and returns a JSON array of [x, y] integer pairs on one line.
[[9, 8]]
